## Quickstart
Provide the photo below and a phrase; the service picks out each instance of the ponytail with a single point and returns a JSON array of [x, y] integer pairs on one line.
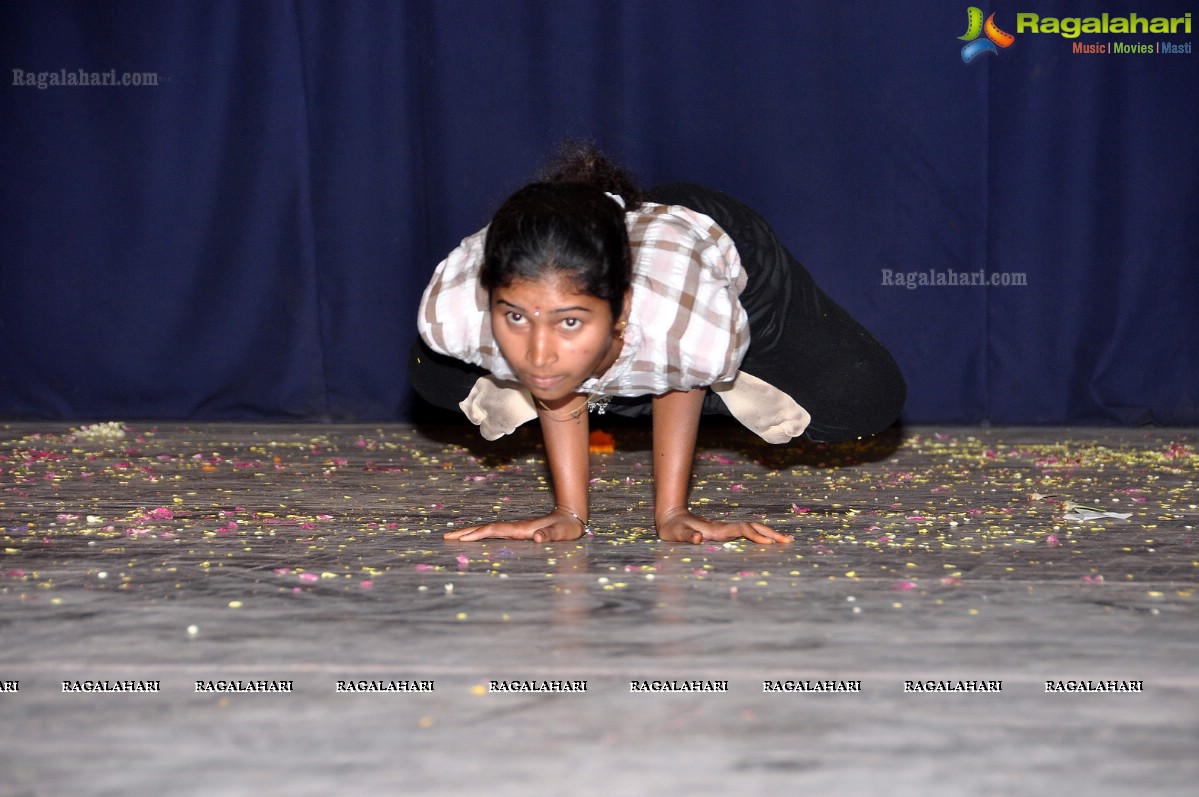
[[578, 161]]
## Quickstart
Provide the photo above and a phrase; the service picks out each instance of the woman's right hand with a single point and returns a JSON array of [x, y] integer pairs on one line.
[[557, 526]]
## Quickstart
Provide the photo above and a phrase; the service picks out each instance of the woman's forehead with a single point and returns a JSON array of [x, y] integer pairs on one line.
[[550, 290]]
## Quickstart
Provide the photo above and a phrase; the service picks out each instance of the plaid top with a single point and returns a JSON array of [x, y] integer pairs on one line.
[[686, 329]]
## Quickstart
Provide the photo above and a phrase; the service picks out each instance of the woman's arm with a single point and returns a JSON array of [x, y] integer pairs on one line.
[[568, 453], [676, 423]]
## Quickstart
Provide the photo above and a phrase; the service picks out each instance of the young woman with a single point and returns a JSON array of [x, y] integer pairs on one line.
[[584, 295]]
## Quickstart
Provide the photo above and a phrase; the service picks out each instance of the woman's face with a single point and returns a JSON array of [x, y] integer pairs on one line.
[[553, 337]]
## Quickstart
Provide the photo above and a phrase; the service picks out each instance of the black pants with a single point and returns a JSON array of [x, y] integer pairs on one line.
[[801, 341]]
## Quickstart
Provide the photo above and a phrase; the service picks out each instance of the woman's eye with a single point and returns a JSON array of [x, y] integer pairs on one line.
[[515, 318], [570, 323]]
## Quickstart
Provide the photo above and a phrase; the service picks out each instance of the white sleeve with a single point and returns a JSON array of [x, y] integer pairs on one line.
[[453, 309]]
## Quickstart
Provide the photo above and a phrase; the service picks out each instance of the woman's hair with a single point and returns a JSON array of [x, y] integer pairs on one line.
[[566, 225], [580, 162]]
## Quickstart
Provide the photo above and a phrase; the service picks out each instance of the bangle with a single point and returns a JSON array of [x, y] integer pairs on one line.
[[586, 525]]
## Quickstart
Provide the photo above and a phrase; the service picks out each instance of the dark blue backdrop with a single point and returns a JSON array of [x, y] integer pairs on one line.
[[249, 238]]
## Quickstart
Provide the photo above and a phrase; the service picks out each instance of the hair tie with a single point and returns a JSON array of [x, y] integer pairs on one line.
[[615, 198]]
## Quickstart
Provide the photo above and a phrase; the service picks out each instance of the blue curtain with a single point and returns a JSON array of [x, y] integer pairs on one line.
[[247, 236]]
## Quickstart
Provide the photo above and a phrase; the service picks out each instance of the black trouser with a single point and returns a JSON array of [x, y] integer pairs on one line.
[[801, 341]]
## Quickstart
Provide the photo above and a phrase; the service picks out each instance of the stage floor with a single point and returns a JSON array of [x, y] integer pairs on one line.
[[938, 625]]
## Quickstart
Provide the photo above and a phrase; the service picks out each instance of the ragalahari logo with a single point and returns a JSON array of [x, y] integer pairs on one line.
[[975, 27]]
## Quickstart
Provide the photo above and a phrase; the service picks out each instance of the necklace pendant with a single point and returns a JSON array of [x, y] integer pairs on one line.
[[598, 404]]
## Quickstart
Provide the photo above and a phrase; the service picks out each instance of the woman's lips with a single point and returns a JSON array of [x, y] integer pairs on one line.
[[543, 383]]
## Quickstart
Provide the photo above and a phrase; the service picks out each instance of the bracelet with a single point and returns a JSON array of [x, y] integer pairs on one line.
[[586, 525]]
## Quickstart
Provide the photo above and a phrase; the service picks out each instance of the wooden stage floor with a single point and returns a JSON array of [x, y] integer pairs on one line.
[[270, 609]]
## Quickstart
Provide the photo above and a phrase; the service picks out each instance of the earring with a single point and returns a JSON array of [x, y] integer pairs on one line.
[[620, 331]]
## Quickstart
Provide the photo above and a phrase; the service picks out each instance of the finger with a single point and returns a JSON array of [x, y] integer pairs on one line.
[[681, 533], [470, 535], [458, 534], [558, 532], [505, 531], [764, 535]]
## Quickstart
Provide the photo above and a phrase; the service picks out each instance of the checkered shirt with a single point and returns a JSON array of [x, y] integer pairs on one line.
[[686, 329]]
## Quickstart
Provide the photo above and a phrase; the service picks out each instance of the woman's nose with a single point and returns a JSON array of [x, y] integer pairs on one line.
[[541, 351]]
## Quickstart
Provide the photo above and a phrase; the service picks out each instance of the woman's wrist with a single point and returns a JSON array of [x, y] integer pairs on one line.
[[586, 525], [664, 516]]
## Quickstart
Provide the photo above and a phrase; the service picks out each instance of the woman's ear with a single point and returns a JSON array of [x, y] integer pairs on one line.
[[623, 321]]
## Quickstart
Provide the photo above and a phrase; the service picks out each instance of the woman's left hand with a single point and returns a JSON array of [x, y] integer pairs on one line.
[[557, 526], [682, 526]]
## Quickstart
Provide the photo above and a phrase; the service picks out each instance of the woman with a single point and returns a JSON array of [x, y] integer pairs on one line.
[[583, 294]]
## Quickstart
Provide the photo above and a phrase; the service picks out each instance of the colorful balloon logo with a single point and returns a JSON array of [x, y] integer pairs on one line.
[[975, 27]]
